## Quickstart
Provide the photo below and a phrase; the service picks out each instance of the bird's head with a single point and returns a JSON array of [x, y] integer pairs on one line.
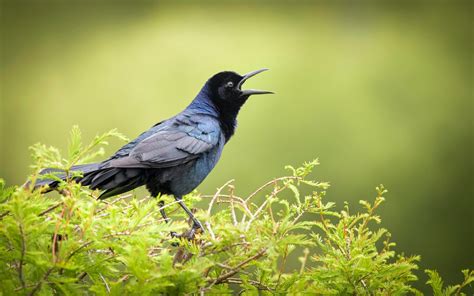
[[226, 89]]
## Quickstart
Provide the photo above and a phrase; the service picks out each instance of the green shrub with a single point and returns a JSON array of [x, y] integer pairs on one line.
[[76, 244]]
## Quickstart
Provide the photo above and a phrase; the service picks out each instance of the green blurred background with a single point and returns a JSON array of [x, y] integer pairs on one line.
[[380, 93]]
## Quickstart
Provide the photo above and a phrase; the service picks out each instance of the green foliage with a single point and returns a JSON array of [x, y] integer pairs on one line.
[[436, 283], [76, 244]]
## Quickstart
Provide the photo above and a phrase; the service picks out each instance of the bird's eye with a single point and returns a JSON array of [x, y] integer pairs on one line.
[[229, 84]]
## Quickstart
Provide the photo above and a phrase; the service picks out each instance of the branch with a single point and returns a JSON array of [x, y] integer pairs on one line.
[[234, 217], [236, 269], [257, 212], [259, 285], [216, 195], [270, 183], [49, 209], [22, 258], [40, 283], [4, 214], [232, 198], [208, 225]]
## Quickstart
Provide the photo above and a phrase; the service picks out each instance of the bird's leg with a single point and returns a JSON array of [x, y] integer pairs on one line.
[[161, 204], [196, 223]]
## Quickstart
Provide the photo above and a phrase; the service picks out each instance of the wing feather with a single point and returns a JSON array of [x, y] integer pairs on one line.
[[181, 141]]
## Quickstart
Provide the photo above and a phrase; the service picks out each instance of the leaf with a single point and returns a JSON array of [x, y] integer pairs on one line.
[[435, 282], [75, 142]]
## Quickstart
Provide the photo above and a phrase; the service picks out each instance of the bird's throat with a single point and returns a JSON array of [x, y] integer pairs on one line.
[[228, 125]]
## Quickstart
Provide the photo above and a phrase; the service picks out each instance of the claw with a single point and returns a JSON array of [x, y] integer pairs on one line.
[[191, 233]]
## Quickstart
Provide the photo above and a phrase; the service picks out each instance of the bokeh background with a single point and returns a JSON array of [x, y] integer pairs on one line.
[[381, 93]]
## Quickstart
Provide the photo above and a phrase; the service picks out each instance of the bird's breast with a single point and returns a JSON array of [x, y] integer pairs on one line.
[[185, 178]]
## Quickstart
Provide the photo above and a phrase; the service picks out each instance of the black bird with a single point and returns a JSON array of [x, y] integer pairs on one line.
[[175, 155]]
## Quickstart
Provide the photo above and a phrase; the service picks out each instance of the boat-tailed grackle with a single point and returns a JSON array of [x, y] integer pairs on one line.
[[175, 155]]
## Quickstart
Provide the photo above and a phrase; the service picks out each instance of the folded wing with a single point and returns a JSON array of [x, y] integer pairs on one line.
[[183, 140]]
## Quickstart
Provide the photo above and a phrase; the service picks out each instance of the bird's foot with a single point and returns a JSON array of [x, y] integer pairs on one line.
[[198, 225], [189, 235]]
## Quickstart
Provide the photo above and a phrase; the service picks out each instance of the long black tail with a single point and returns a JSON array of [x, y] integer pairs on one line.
[[84, 168], [112, 181]]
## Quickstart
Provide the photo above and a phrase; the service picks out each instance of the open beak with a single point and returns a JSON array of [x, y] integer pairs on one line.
[[248, 92]]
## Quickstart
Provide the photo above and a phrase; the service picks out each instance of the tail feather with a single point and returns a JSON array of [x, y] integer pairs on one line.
[[112, 181], [84, 168], [124, 187]]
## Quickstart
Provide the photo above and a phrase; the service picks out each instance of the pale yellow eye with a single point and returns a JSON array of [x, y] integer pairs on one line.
[[229, 84]]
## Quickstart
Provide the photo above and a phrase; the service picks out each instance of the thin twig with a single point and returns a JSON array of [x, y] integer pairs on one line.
[[236, 269], [82, 276], [235, 199], [124, 209], [297, 217], [223, 249], [117, 234], [257, 284], [105, 282], [305, 258], [222, 195], [124, 278], [232, 209], [49, 209], [211, 232], [84, 245], [114, 201], [4, 214], [236, 204], [208, 225], [270, 183], [168, 205], [216, 195], [40, 283], [256, 214], [22, 258], [262, 206], [326, 228], [274, 193], [26, 287], [240, 201], [282, 266], [367, 219], [224, 266]]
